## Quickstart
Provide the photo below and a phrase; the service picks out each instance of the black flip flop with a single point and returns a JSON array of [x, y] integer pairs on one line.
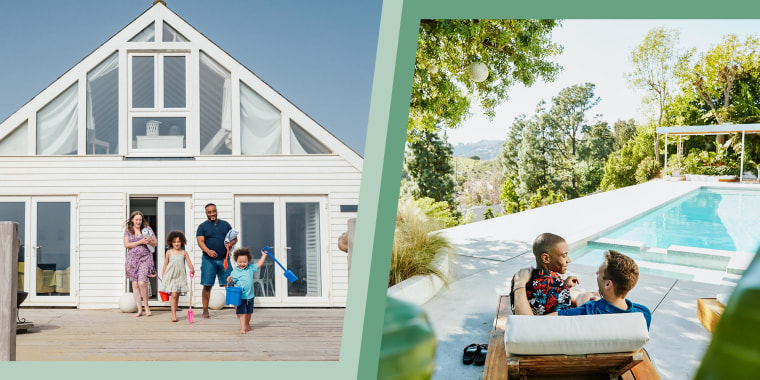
[[469, 353], [480, 356]]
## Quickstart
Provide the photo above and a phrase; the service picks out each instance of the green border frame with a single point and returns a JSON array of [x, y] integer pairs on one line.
[[389, 111], [391, 93]]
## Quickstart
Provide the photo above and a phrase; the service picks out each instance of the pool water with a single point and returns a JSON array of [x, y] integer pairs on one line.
[[716, 219]]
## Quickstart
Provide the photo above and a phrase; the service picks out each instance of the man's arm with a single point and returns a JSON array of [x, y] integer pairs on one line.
[[202, 243], [520, 301]]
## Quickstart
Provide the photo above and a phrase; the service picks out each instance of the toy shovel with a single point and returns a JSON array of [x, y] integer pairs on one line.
[[190, 310], [288, 274]]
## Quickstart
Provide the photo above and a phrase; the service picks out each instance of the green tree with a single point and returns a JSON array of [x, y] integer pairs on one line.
[[656, 62], [564, 125], [429, 166], [623, 131], [622, 165], [488, 214], [515, 52]]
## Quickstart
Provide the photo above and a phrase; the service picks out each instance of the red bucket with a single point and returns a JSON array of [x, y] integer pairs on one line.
[[164, 296]]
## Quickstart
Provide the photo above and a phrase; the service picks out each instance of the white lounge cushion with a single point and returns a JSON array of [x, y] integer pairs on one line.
[[575, 335]]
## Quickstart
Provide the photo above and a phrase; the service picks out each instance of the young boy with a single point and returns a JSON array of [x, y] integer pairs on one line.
[[546, 290], [242, 275], [616, 276]]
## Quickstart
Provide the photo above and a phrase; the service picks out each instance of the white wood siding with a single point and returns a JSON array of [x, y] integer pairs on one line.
[[101, 185]]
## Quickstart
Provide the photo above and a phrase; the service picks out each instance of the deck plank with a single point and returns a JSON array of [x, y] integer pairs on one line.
[[67, 334]]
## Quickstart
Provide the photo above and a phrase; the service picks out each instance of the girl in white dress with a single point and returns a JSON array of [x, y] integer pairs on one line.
[[174, 277]]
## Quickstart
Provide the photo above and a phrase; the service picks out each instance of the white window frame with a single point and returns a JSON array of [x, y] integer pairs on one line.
[[159, 111]]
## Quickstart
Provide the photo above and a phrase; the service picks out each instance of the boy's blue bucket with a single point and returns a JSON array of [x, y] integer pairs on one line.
[[233, 296]]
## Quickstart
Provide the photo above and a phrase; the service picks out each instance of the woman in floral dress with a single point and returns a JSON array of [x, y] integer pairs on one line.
[[139, 263]]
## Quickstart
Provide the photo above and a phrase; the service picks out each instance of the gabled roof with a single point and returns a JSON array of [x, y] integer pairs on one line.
[[157, 14]]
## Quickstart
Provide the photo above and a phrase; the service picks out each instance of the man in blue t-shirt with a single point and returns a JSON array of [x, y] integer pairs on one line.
[[616, 276], [210, 236]]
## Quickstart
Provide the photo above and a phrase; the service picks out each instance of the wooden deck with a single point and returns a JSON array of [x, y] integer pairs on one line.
[[278, 334]]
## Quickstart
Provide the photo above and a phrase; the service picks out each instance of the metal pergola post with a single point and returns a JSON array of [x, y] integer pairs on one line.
[[666, 157], [741, 167]]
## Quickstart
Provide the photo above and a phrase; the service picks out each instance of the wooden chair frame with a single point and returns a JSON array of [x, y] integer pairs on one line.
[[499, 366]]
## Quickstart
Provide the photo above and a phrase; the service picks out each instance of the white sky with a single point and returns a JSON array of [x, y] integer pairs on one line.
[[597, 51]]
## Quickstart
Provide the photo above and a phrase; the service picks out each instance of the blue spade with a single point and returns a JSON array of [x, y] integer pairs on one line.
[[288, 274]]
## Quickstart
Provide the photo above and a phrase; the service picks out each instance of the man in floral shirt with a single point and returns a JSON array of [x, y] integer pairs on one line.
[[547, 291]]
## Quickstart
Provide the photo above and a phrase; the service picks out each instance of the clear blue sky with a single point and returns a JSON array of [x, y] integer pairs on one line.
[[598, 51], [318, 54]]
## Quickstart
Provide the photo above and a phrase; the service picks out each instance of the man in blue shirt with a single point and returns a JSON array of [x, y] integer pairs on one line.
[[616, 276], [210, 236]]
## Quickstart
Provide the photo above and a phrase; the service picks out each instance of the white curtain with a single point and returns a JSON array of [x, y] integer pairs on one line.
[[301, 142], [146, 35], [171, 35], [260, 131], [57, 125], [14, 143], [222, 133]]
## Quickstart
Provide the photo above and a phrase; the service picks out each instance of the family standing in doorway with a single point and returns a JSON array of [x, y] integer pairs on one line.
[[140, 240]]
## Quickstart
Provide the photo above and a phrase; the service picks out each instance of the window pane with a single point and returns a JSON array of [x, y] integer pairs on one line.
[[103, 107], [301, 142], [143, 78], [216, 123], [57, 125], [146, 35], [54, 248], [259, 124], [257, 232], [15, 143], [174, 219], [166, 133], [14, 212], [174, 82], [304, 257], [171, 35]]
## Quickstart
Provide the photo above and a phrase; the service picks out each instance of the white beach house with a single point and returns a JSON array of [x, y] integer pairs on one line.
[[162, 120]]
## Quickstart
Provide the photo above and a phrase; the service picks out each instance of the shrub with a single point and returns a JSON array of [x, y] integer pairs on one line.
[[415, 245]]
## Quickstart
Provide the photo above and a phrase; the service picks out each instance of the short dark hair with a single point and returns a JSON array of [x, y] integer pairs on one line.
[[173, 235], [210, 204], [245, 251], [544, 243], [622, 271]]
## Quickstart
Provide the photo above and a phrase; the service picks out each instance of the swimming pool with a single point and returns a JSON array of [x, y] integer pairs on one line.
[[700, 236]]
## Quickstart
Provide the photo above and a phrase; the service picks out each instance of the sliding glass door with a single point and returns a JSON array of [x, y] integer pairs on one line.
[[295, 229]]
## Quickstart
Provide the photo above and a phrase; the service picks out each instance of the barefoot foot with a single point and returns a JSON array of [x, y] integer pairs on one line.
[[139, 313], [242, 332], [206, 314], [148, 313], [174, 319]]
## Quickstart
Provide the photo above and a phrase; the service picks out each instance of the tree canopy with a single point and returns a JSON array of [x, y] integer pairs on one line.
[[515, 51]]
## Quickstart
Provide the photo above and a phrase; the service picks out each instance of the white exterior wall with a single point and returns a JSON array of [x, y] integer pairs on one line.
[[102, 185]]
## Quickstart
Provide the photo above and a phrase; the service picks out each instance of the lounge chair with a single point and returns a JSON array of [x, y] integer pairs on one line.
[[502, 365]]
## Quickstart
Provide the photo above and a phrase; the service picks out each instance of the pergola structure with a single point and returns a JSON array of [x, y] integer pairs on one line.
[[722, 129]]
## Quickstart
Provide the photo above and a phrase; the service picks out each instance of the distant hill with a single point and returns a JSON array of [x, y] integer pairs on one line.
[[485, 149]]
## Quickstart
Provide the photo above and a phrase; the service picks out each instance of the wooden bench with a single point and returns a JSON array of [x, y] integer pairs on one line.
[[498, 366], [708, 312]]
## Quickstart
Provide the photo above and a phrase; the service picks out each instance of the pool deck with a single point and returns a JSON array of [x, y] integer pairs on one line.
[[489, 252]]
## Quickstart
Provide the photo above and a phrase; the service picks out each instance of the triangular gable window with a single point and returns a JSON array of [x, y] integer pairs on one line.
[[171, 35], [259, 124], [301, 142], [103, 107], [57, 125], [146, 35], [15, 143]]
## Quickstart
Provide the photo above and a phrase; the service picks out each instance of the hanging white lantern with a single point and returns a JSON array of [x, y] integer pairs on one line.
[[432, 69], [478, 71]]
